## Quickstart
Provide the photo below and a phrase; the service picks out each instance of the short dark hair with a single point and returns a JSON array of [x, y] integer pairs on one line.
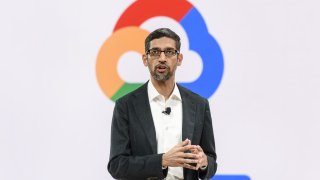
[[159, 33]]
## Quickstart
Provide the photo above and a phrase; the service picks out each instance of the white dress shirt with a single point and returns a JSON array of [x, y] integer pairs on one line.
[[168, 127]]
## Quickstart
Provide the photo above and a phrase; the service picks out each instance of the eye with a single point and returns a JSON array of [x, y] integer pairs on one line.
[[154, 52], [170, 52]]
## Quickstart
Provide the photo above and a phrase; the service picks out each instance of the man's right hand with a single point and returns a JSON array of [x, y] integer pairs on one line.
[[178, 156]]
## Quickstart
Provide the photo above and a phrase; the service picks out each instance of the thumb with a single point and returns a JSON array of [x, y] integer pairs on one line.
[[185, 142]]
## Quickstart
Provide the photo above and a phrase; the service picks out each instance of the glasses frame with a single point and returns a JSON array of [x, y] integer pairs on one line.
[[164, 51]]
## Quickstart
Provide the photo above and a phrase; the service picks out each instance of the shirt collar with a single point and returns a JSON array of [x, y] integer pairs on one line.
[[153, 93]]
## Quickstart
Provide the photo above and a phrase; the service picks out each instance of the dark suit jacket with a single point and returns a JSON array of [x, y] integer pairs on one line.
[[133, 153]]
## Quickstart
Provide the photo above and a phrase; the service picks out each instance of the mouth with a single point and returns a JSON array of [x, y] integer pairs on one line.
[[161, 68]]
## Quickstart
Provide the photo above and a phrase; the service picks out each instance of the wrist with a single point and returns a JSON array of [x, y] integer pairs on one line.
[[164, 163]]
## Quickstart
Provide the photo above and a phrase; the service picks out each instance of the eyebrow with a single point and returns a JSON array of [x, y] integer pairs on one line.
[[167, 48]]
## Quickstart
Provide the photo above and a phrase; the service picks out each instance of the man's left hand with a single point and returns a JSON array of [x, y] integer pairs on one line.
[[201, 157]]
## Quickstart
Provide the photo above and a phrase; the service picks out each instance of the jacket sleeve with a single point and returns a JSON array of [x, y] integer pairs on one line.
[[207, 143], [122, 164]]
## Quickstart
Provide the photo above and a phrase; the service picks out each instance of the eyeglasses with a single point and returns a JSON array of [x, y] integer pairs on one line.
[[156, 53]]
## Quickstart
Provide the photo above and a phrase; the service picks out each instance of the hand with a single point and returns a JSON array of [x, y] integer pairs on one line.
[[201, 157], [178, 156]]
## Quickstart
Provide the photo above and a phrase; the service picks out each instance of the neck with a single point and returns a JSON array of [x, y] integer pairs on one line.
[[165, 88]]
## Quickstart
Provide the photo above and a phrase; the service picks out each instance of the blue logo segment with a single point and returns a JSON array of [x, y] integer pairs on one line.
[[230, 177], [207, 47]]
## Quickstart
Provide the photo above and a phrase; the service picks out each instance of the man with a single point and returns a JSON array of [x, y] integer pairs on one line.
[[162, 130]]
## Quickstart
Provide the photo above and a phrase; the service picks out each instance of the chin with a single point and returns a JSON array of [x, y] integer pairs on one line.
[[161, 77]]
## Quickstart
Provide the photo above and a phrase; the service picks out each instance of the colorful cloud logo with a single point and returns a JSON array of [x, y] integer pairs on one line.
[[128, 36]]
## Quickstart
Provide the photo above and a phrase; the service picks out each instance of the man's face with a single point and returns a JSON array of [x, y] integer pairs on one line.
[[162, 66]]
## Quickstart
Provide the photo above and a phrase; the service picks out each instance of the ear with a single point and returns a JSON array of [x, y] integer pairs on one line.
[[145, 60], [180, 58]]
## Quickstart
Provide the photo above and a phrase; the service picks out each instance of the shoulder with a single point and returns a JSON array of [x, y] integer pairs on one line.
[[187, 93], [142, 90]]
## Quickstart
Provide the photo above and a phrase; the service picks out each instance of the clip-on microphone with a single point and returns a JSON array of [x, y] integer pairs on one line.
[[167, 111]]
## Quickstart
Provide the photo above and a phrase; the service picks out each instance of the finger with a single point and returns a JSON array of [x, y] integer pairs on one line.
[[186, 161], [179, 145], [194, 151], [189, 141], [199, 164], [199, 148], [190, 155], [183, 143], [181, 160], [188, 166], [188, 148], [191, 161]]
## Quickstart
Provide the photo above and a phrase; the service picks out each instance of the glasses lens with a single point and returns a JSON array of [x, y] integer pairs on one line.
[[157, 52], [170, 52]]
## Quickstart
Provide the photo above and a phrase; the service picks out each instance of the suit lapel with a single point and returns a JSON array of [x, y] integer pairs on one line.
[[142, 108], [188, 114]]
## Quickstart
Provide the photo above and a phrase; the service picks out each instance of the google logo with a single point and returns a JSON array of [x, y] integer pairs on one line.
[[128, 36]]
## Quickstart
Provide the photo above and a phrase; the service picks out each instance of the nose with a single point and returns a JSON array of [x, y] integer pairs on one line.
[[162, 57]]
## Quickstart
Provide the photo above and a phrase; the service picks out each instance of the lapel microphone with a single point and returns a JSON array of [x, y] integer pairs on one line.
[[167, 111]]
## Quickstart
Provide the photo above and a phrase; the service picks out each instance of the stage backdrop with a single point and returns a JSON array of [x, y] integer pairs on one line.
[[65, 62]]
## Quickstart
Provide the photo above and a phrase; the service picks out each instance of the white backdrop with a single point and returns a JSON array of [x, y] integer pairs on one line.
[[55, 120]]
